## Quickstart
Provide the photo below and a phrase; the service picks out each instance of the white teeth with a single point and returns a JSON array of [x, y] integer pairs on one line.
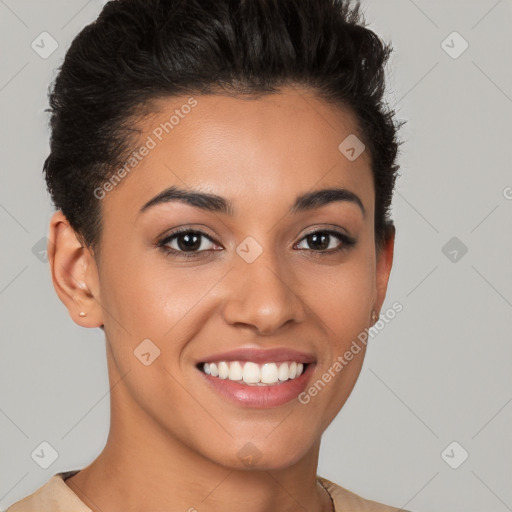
[[292, 370], [283, 372], [235, 371], [253, 374], [223, 370], [269, 373]]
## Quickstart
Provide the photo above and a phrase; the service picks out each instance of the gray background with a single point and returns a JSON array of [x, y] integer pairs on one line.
[[437, 373]]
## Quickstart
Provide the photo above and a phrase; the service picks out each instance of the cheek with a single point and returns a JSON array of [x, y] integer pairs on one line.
[[150, 297], [342, 297]]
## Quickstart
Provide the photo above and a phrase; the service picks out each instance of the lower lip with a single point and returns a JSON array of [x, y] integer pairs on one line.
[[261, 396]]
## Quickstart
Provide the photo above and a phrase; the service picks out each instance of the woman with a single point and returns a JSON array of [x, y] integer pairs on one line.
[[222, 172]]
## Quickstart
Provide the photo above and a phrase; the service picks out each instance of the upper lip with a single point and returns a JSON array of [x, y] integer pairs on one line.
[[258, 355]]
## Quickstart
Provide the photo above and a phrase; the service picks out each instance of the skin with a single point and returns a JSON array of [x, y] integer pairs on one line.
[[173, 440]]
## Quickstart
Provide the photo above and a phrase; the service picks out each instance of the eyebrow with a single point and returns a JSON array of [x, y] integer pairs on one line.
[[215, 203]]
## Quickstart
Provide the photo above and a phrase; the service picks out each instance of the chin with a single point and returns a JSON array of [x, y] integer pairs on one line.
[[260, 454]]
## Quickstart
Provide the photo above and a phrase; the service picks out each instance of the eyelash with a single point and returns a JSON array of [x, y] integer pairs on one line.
[[347, 243]]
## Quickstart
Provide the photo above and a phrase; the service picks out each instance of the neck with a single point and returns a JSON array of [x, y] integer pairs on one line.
[[132, 474]]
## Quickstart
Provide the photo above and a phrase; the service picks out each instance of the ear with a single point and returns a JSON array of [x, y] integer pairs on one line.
[[74, 273], [383, 270]]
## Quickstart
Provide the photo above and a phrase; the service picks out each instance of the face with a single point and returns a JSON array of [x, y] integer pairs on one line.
[[258, 285]]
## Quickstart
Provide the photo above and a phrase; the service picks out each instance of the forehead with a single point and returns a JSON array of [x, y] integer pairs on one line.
[[244, 149]]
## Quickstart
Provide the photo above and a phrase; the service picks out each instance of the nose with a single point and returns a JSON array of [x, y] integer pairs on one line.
[[263, 295]]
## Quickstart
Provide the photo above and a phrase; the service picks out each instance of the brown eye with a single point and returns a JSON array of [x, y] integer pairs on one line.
[[186, 243], [325, 241]]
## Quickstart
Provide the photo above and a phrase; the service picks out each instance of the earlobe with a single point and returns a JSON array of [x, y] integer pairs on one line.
[[73, 273]]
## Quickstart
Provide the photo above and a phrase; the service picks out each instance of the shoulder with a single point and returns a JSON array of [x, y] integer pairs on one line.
[[347, 500], [53, 496]]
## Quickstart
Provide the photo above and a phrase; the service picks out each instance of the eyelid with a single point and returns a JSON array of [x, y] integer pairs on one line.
[[328, 228]]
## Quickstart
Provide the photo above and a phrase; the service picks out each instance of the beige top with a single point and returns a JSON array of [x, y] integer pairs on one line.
[[56, 496]]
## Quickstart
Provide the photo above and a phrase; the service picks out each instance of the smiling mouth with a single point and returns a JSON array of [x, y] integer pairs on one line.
[[254, 374]]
